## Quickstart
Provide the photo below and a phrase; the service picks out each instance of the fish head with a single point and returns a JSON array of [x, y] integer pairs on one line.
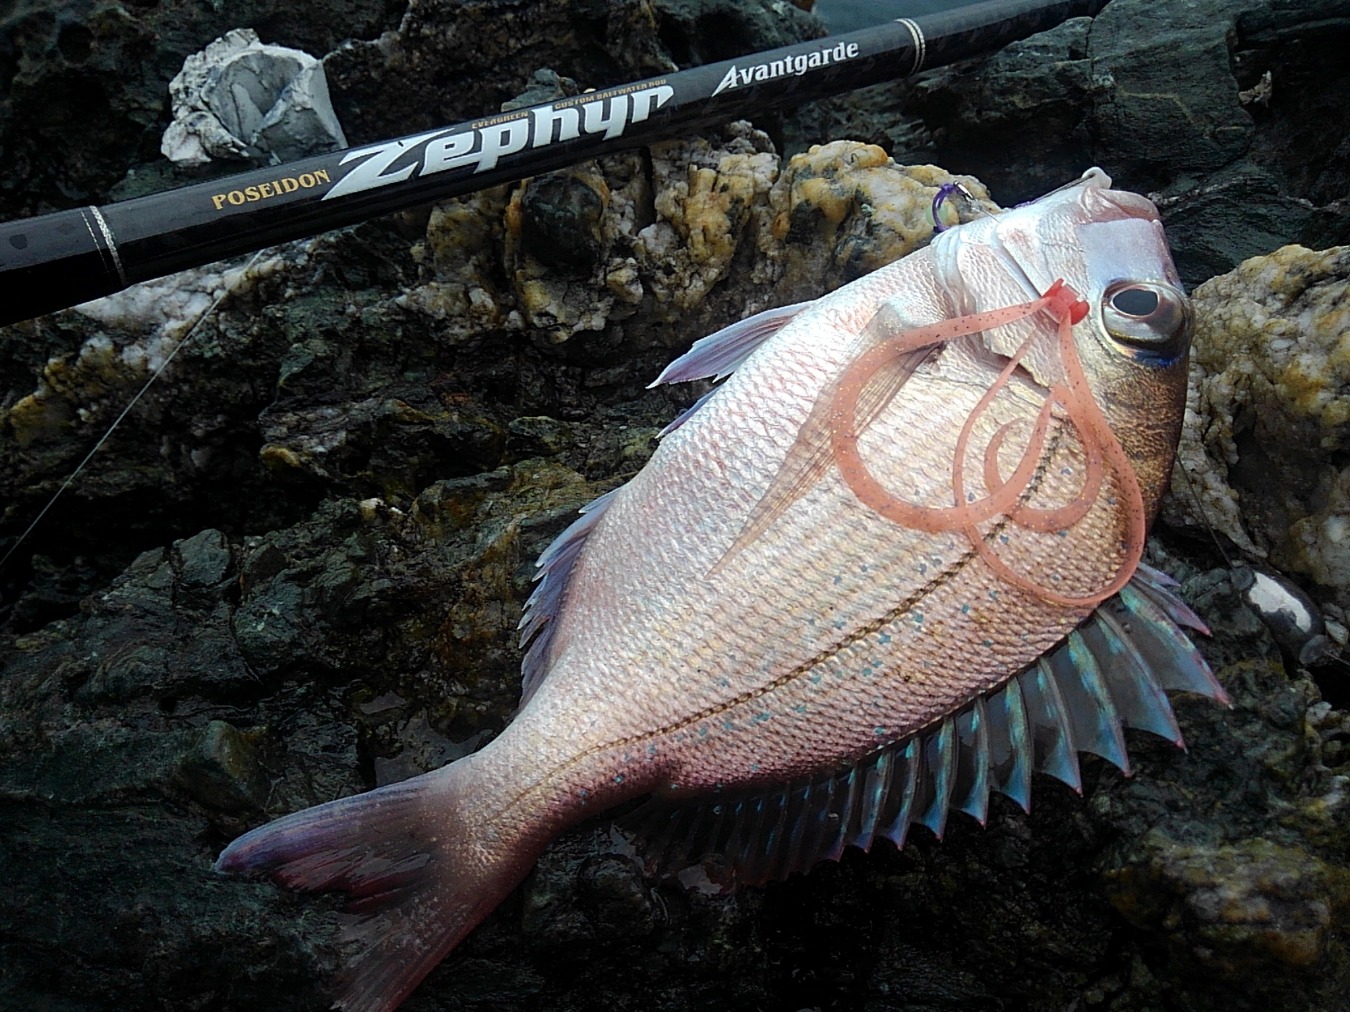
[[1133, 344]]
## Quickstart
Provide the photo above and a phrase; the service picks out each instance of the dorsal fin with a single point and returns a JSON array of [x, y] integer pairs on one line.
[[686, 414], [553, 571], [1109, 674], [717, 356], [720, 353]]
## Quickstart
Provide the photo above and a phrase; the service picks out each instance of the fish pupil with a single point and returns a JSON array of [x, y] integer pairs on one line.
[[1138, 302]]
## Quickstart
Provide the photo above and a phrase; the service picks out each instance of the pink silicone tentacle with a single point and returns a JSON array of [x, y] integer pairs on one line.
[[1006, 497], [1102, 450], [1047, 521], [844, 428], [1093, 427]]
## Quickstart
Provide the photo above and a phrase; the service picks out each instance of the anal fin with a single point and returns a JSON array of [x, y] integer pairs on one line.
[[1108, 675]]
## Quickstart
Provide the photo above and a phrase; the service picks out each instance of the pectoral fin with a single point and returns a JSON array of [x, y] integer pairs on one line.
[[810, 457]]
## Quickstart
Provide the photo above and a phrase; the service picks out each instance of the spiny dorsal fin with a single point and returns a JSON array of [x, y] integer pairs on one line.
[[1109, 674], [554, 570], [719, 354]]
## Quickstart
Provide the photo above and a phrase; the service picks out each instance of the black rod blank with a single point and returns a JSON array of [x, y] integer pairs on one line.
[[58, 260]]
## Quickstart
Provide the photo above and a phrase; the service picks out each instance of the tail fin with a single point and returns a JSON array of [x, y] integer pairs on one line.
[[419, 870]]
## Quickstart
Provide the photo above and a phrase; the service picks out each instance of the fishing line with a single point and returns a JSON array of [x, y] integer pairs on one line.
[[1200, 512], [159, 371]]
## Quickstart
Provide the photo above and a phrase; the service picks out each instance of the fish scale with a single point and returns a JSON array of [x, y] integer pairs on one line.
[[733, 643], [788, 631]]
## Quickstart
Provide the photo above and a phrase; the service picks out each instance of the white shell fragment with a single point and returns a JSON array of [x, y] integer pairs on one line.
[[241, 99], [1290, 614]]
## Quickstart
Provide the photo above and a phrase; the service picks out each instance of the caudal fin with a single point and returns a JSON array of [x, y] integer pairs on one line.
[[418, 872]]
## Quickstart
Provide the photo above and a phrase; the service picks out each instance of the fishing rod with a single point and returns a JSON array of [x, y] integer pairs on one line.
[[58, 260]]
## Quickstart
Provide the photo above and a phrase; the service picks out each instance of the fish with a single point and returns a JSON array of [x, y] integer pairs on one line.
[[890, 565]]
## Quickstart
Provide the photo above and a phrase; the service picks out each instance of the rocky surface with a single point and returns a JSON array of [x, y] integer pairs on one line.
[[84, 85], [296, 569], [1270, 412], [1219, 107]]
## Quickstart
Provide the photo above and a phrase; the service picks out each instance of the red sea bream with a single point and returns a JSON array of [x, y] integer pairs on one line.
[[890, 565]]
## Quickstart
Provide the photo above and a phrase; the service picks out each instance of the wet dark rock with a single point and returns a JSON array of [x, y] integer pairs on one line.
[[1240, 213], [537, 436], [1167, 105], [544, 86], [1221, 107], [456, 59], [296, 571], [1043, 84], [706, 31], [222, 770], [100, 70], [204, 562], [560, 221]]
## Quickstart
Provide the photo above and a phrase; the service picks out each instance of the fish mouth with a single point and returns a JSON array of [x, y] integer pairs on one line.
[[1103, 203]]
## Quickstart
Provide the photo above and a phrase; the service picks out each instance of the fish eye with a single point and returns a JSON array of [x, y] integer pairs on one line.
[[1151, 319]]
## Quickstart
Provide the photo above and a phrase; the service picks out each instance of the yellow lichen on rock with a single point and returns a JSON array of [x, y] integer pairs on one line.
[[705, 198], [461, 249], [1233, 906], [843, 209], [1268, 410], [687, 238], [36, 417], [709, 210], [560, 233], [1275, 334]]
